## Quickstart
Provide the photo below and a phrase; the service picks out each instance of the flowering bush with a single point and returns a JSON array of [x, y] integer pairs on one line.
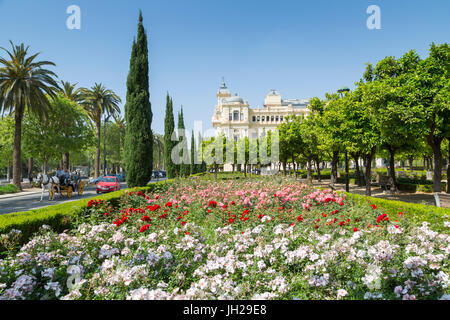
[[265, 238]]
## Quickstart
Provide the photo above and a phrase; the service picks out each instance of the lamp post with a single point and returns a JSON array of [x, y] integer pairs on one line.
[[341, 92], [104, 144]]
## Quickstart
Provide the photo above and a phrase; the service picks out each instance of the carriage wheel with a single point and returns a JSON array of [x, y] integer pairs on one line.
[[69, 192], [80, 188], [63, 191]]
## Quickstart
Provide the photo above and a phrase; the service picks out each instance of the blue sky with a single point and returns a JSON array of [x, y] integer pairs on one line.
[[302, 48]]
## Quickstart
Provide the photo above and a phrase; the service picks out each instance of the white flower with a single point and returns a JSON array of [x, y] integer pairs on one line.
[[341, 293], [261, 265]]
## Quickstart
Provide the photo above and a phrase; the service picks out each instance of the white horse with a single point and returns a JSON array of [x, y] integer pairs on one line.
[[47, 183]]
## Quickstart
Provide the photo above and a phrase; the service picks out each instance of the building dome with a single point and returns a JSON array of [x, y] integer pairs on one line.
[[233, 99]]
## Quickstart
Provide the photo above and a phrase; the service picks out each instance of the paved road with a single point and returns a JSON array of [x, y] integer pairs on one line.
[[31, 201]]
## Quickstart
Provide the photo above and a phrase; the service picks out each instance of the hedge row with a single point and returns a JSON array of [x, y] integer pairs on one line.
[[414, 212], [58, 216]]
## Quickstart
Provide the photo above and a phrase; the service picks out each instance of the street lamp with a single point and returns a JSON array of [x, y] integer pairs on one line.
[[341, 92], [104, 144]]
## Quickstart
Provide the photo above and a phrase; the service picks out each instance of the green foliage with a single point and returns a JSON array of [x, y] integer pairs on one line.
[[10, 188], [138, 115], [415, 213], [65, 129], [25, 85], [6, 139]]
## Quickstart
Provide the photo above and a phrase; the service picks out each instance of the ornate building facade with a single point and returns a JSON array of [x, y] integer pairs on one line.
[[236, 119]]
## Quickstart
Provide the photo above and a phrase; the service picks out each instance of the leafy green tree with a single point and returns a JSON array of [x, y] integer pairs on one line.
[[428, 100], [24, 86], [169, 127], [66, 129], [138, 115], [6, 143]]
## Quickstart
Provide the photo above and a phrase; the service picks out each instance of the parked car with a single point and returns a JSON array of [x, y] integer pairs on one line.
[[108, 184], [121, 176], [158, 174], [95, 180]]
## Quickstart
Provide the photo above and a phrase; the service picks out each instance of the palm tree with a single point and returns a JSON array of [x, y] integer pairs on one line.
[[158, 146], [24, 86], [97, 101], [68, 90]]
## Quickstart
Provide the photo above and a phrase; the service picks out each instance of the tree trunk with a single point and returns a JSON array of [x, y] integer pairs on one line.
[[411, 159], [66, 161], [334, 162], [309, 174], [8, 171], [448, 167], [392, 180], [357, 171], [97, 151], [17, 155], [319, 178], [44, 166], [284, 167], [368, 164], [435, 144]]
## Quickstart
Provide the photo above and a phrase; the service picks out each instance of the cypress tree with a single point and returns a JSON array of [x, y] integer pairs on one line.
[[169, 127], [184, 166], [138, 115], [193, 165]]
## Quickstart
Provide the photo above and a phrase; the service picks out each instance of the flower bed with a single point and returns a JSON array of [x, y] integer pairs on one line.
[[264, 238]]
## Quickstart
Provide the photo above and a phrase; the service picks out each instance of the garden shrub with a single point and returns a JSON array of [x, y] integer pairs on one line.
[[59, 216], [414, 212], [10, 188]]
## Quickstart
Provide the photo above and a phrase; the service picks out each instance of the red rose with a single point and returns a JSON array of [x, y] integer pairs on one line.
[[146, 218], [169, 204], [144, 227], [373, 206]]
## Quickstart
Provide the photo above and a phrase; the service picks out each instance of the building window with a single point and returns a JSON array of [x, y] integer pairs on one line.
[[272, 118], [281, 118], [262, 118], [257, 118], [276, 118], [230, 116], [236, 116], [253, 118]]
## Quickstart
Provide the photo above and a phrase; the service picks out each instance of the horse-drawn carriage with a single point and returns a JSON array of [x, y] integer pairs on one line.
[[65, 186]]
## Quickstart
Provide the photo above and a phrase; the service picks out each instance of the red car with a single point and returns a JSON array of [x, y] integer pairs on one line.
[[108, 184]]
